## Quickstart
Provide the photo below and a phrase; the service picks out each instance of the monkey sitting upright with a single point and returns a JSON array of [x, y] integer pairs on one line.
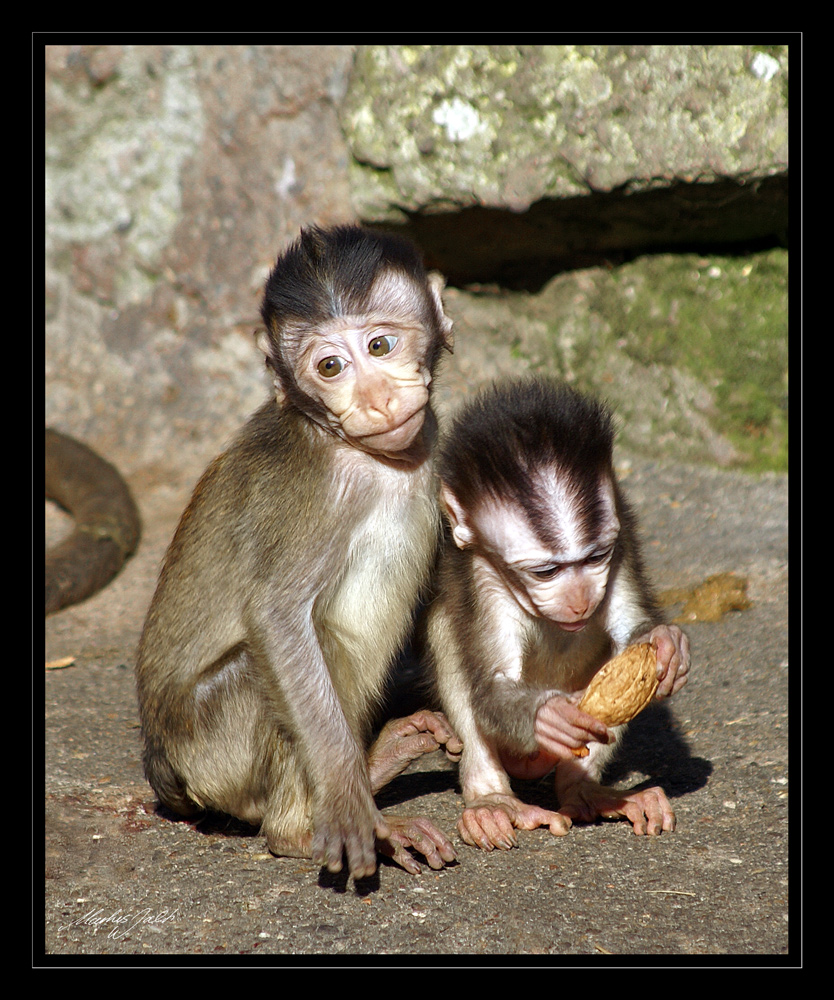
[[291, 580], [540, 583]]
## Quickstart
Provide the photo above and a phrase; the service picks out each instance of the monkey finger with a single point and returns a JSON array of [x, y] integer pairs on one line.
[[327, 852], [555, 750], [673, 680], [409, 748], [427, 730], [650, 812], [560, 720], [452, 745], [531, 817], [397, 853], [562, 742], [392, 754], [672, 648], [419, 722], [361, 857]]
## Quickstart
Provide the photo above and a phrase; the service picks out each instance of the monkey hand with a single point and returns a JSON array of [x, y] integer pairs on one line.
[[422, 836], [403, 740], [648, 810], [672, 647], [561, 727], [346, 825], [491, 821]]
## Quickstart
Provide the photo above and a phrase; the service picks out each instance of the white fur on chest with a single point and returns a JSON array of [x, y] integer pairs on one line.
[[391, 551]]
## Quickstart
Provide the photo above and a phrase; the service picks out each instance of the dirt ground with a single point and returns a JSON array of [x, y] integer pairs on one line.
[[125, 883]]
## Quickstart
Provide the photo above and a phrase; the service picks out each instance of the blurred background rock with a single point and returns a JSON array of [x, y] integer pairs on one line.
[[614, 214]]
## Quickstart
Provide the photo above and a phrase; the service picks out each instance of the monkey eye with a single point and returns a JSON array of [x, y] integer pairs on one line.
[[599, 557], [546, 573], [380, 346], [330, 367]]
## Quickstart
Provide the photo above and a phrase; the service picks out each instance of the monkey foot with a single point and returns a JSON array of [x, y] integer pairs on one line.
[[492, 821], [291, 847], [648, 810], [403, 740]]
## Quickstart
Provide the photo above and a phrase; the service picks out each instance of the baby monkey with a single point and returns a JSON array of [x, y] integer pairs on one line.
[[540, 583], [293, 575]]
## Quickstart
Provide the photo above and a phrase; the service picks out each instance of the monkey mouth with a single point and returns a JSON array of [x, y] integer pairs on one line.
[[573, 626], [395, 438]]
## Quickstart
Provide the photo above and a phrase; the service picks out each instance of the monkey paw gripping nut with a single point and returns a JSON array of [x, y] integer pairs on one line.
[[622, 688]]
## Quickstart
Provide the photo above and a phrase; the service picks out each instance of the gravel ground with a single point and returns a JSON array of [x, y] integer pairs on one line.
[[125, 883]]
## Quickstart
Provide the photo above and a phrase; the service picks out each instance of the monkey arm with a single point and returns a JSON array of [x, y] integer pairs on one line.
[[503, 704], [492, 813], [523, 719], [507, 712], [345, 818], [633, 616]]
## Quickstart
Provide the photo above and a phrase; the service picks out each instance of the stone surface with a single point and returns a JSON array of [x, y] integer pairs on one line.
[[174, 174]]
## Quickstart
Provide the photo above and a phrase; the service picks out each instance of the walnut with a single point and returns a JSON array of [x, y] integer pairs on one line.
[[621, 688]]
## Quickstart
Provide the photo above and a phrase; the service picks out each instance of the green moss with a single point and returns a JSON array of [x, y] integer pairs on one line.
[[724, 320], [707, 334]]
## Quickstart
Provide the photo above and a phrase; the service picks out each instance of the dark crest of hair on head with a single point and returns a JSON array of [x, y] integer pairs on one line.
[[512, 430], [329, 272]]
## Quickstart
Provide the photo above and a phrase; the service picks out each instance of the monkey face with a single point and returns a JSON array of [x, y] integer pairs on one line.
[[354, 329], [370, 380], [555, 566]]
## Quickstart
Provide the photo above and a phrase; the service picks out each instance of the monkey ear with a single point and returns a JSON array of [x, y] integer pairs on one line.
[[436, 285], [263, 342], [463, 535]]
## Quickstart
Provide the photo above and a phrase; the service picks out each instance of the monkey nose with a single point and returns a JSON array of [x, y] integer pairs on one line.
[[381, 403]]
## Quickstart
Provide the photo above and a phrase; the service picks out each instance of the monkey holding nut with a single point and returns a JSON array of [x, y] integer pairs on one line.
[[540, 583]]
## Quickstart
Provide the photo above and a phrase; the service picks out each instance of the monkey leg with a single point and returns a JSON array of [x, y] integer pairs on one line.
[[219, 746], [287, 822], [267, 790], [399, 743], [648, 810], [212, 778], [491, 821], [225, 764]]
